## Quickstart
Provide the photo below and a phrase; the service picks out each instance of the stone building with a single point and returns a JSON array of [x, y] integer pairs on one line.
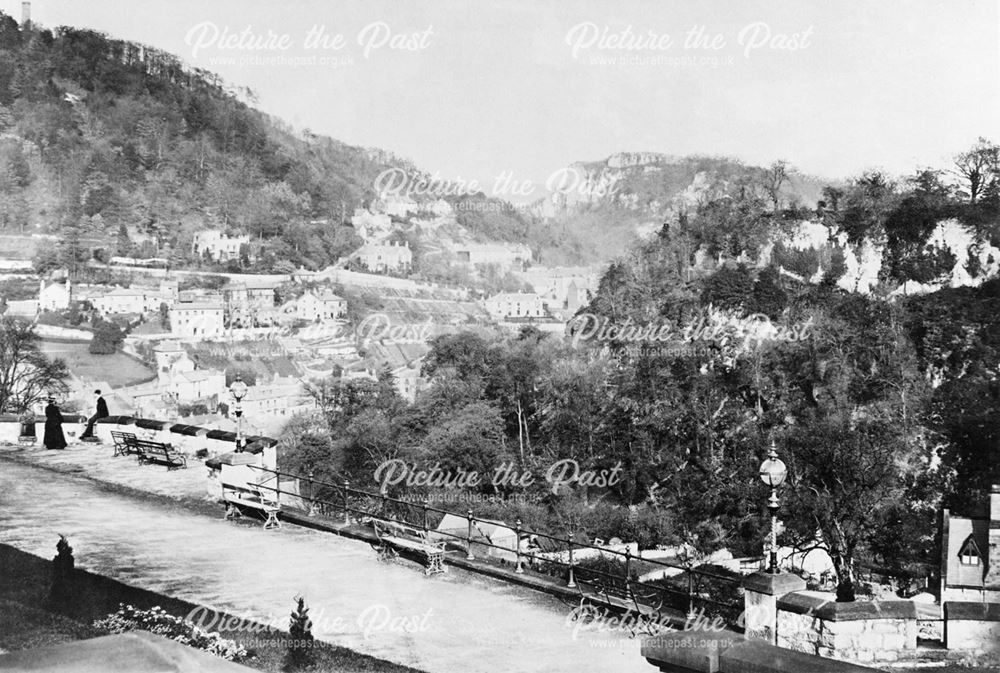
[[203, 319], [515, 305]]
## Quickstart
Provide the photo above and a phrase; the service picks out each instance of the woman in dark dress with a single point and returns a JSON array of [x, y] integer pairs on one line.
[[54, 438]]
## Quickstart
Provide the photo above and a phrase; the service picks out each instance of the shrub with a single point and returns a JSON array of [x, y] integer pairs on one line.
[[157, 620]]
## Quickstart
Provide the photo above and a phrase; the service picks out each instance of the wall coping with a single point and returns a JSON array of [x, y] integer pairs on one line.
[[822, 608], [728, 652], [183, 429], [772, 585], [969, 611]]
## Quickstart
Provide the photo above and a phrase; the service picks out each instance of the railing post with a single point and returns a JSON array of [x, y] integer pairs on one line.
[[628, 571], [424, 506], [347, 511], [690, 591], [312, 494], [517, 543], [571, 583], [468, 538]]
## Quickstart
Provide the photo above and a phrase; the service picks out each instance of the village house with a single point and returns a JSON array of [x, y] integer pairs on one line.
[[566, 288], [219, 246], [283, 396], [371, 225], [404, 360], [385, 256], [202, 318], [123, 300], [970, 548], [320, 307], [515, 305], [176, 374], [54, 296], [505, 256]]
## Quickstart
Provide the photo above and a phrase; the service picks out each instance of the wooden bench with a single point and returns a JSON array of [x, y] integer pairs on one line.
[[124, 443], [155, 452]]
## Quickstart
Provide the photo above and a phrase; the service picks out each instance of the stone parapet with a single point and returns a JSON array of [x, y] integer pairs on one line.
[[881, 631]]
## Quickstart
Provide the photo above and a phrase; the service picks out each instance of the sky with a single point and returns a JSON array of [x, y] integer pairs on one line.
[[472, 90]]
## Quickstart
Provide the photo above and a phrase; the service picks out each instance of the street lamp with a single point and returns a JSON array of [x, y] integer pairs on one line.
[[238, 389], [772, 473]]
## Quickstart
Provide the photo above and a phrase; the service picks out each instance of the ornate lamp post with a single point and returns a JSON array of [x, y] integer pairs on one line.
[[772, 473], [238, 389]]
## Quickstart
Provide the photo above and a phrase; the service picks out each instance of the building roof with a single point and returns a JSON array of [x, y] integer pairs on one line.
[[124, 292], [329, 296], [514, 296], [198, 306], [959, 530], [199, 375], [395, 355], [168, 346]]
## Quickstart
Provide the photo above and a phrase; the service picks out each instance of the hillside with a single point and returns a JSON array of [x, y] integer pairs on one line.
[[629, 195], [115, 145]]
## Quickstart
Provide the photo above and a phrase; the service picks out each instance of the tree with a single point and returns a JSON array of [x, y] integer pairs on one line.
[[842, 477], [979, 167], [26, 375], [300, 636], [107, 338], [772, 180]]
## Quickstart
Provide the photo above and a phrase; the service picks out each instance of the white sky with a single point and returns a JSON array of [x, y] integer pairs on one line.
[[496, 87]]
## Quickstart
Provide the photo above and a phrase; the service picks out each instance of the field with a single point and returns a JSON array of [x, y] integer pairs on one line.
[[118, 369]]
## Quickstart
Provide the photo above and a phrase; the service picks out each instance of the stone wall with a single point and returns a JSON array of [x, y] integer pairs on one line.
[[973, 628], [726, 652], [187, 439], [876, 631]]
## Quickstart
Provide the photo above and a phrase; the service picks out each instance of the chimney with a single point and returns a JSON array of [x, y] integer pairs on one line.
[[25, 14], [992, 579]]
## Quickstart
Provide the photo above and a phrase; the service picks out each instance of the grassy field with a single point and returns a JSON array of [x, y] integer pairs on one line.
[[118, 369]]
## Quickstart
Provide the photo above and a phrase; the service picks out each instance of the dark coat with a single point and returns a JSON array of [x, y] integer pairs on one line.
[[102, 408], [54, 438]]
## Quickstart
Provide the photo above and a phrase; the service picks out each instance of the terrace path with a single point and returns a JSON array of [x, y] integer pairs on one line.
[[472, 623]]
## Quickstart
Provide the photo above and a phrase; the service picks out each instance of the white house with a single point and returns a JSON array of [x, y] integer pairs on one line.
[[505, 256], [123, 300], [320, 307], [218, 245], [54, 296], [281, 397], [386, 256], [197, 385], [197, 319], [515, 305]]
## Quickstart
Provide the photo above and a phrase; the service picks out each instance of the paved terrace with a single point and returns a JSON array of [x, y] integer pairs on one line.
[[473, 623]]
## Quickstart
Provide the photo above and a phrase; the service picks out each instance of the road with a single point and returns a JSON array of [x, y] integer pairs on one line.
[[446, 623]]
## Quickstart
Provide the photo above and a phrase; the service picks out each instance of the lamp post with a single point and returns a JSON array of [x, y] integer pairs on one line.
[[238, 389], [772, 473]]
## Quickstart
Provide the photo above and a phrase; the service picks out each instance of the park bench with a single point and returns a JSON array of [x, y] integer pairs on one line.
[[124, 443], [402, 538], [156, 452], [643, 603], [253, 496]]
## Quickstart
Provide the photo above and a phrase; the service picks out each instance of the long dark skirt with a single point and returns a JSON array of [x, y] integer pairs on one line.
[[54, 438]]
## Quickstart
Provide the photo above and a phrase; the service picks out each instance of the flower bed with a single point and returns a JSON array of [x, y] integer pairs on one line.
[[157, 620]]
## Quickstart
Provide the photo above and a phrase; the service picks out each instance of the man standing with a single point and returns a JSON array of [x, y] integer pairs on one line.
[[102, 412]]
